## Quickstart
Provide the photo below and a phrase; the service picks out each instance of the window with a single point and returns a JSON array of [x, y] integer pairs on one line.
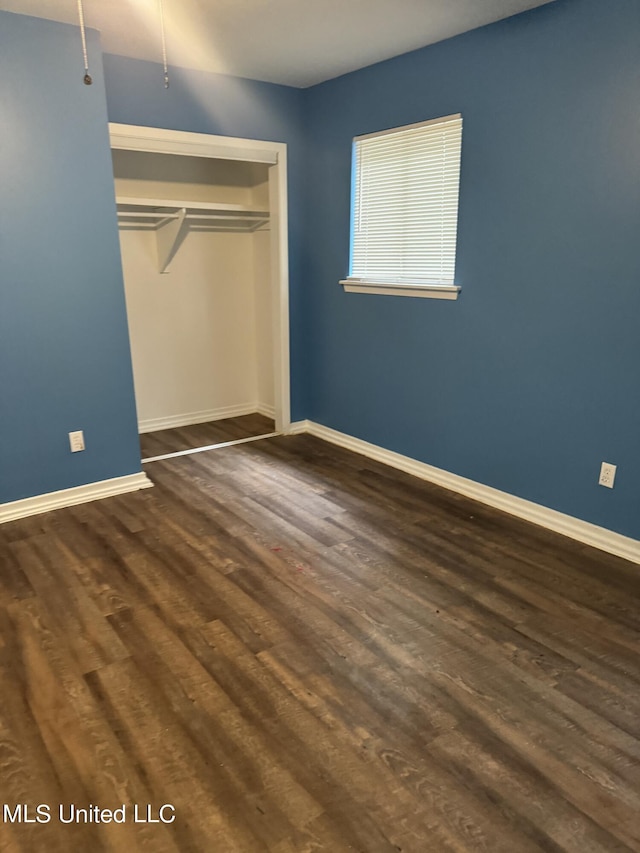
[[404, 211]]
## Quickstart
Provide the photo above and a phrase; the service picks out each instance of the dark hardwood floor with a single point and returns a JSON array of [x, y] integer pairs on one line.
[[202, 435], [302, 650]]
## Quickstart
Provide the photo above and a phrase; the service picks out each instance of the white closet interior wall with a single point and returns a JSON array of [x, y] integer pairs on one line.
[[201, 333]]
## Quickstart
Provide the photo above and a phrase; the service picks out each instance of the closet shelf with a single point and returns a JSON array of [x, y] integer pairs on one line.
[[217, 215], [171, 218]]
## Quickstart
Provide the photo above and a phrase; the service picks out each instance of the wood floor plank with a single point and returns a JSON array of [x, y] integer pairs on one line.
[[82, 753], [159, 746], [303, 650], [211, 721], [203, 435], [530, 800]]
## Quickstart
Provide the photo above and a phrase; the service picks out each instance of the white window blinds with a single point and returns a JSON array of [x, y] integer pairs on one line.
[[405, 204]]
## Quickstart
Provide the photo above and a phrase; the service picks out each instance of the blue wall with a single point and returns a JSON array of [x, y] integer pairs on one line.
[[531, 378], [229, 106], [526, 383], [64, 352]]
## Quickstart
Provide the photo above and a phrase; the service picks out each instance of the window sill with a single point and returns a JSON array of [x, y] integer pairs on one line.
[[425, 291]]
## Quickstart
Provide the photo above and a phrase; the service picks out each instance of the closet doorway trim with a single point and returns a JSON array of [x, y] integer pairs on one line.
[[161, 141]]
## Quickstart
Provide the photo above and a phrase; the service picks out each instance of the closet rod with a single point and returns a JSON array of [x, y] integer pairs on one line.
[[234, 217], [132, 214]]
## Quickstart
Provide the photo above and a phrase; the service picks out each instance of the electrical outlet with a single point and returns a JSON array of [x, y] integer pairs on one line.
[[607, 475], [76, 441]]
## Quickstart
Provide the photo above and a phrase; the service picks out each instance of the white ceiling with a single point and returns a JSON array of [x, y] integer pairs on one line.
[[295, 42]]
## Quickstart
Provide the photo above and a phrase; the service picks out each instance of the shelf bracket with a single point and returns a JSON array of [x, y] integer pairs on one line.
[[168, 235]]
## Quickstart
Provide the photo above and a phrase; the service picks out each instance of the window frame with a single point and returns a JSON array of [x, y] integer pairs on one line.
[[391, 287]]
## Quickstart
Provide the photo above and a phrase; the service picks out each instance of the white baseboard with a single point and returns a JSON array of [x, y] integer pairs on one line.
[[266, 410], [299, 427], [567, 525], [190, 418], [70, 497]]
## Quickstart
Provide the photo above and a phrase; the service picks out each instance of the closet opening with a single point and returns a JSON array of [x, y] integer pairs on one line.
[[203, 238]]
